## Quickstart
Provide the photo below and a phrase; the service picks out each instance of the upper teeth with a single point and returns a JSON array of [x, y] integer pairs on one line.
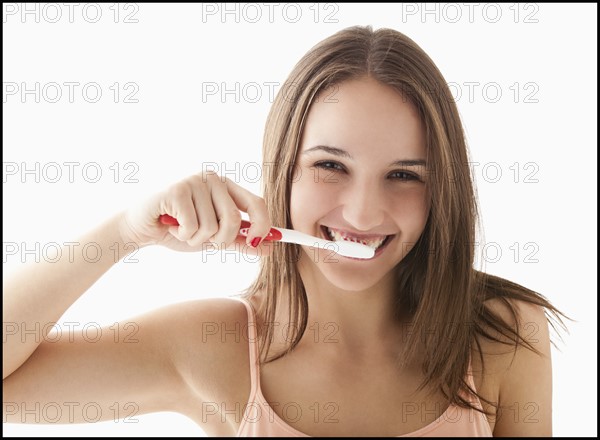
[[336, 236]]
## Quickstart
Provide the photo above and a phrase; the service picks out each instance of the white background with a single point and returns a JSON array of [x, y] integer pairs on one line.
[[548, 130]]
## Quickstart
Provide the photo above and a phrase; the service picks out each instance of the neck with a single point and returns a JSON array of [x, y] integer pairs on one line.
[[356, 324]]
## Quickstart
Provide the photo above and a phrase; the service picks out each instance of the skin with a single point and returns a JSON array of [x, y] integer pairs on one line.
[[350, 301], [176, 366], [362, 195]]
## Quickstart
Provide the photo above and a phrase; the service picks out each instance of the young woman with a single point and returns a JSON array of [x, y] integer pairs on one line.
[[414, 341]]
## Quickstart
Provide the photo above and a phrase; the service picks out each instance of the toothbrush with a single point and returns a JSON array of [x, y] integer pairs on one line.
[[344, 248]]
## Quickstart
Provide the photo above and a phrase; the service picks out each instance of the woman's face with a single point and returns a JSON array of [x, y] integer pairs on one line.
[[361, 173]]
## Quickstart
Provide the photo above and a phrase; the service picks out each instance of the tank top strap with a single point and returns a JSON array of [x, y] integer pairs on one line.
[[470, 380], [471, 383]]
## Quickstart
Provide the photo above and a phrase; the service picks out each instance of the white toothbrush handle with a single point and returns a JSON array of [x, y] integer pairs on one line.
[[345, 248]]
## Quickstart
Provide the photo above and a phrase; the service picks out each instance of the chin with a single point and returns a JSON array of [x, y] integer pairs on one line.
[[344, 274]]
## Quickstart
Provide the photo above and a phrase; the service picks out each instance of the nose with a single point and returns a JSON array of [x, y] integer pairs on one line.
[[364, 206]]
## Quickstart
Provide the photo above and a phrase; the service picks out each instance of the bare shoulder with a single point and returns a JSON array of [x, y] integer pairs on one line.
[[210, 352], [170, 359], [523, 377]]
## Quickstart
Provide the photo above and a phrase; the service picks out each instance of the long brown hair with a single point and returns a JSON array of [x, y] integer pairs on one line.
[[436, 281]]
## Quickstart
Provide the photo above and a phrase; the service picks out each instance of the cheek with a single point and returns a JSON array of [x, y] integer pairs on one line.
[[411, 209], [309, 198]]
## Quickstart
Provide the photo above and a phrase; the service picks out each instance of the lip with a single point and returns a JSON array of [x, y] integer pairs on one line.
[[379, 251]]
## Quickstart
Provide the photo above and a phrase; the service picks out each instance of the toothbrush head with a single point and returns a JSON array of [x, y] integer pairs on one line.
[[352, 249]]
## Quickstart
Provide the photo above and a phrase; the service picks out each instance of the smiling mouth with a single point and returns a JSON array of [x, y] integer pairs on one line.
[[377, 244]]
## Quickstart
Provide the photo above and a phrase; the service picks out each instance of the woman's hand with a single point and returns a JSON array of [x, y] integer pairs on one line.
[[207, 208]]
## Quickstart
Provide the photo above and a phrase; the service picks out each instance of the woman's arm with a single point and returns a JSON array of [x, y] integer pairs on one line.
[[163, 360], [74, 377], [143, 361], [39, 295], [208, 210]]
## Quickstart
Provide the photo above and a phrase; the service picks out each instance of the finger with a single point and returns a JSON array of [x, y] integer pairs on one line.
[[255, 207], [179, 204], [228, 214], [264, 249], [207, 219]]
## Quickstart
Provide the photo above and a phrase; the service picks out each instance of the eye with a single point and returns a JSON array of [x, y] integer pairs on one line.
[[403, 175], [329, 165], [396, 175]]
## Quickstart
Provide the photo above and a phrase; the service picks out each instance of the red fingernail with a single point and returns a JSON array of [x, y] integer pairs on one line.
[[255, 242]]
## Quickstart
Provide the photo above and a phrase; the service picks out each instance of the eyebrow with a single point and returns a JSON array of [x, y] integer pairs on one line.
[[343, 153]]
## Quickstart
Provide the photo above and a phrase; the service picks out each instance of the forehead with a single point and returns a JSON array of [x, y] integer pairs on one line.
[[364, 115]]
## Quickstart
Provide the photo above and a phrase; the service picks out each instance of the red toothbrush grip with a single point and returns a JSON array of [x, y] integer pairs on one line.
[[273, 234], [166, 219]]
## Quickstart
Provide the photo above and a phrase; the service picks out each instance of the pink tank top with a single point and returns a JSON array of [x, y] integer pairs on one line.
[[456, 421]]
